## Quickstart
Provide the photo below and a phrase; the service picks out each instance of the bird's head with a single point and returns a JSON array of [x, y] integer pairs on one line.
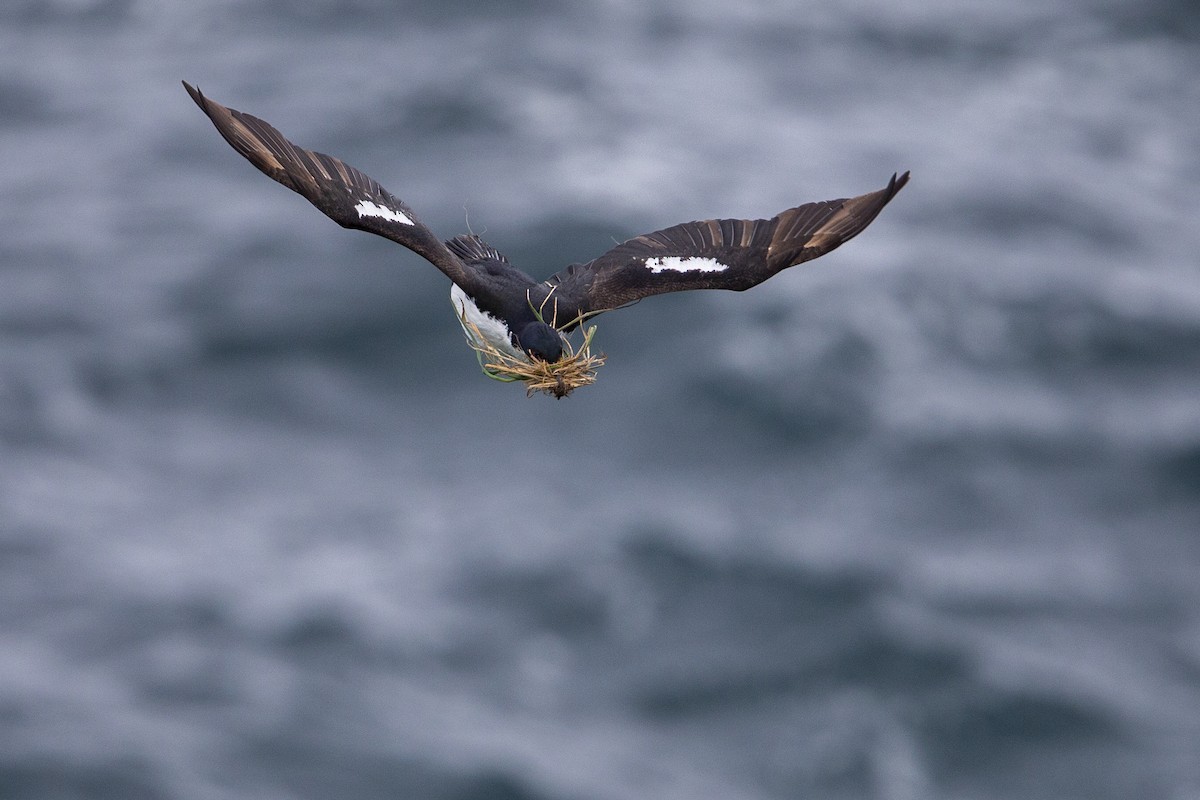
[[541, 341]]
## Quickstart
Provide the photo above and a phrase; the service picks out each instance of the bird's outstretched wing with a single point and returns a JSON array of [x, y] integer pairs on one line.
[[717, 253], [345, 195]]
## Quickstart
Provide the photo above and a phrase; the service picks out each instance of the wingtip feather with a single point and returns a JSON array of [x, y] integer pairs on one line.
[[195, 93]]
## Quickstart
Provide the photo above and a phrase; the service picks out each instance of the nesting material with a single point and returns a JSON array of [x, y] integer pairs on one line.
[[577, 366]]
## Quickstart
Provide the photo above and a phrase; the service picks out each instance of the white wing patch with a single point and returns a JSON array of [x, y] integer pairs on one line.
[[494, 331], [368, 208], [684, 264]]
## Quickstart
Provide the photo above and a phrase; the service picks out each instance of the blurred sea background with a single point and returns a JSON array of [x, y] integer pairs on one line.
[[920, 519]]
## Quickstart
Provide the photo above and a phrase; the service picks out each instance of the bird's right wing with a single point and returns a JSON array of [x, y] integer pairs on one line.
[[731, 254]]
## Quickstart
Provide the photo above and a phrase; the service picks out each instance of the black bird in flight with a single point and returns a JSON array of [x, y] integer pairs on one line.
[[500, 304]]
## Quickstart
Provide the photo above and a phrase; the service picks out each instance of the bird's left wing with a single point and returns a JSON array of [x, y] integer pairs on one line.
[[345, 195], [717, 253]]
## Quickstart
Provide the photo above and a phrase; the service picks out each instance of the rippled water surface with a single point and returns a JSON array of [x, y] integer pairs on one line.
[[920, 519]]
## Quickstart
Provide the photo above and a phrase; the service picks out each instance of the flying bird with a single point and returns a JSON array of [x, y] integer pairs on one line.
[[517, 325]]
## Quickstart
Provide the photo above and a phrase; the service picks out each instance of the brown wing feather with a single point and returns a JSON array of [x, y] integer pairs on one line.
[[730, 254], [347, 196]]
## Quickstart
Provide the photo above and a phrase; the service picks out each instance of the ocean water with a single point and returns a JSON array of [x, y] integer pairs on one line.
[[920, 519]]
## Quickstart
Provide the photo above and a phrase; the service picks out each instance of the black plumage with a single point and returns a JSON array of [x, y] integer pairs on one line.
[[733, 254]]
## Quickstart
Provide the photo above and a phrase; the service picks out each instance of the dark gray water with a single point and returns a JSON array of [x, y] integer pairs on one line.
[[918, 520]]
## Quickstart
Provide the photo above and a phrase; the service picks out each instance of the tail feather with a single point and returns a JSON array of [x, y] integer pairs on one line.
[[472, 250]]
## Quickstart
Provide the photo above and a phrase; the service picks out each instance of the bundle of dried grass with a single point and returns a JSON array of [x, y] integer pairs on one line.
[[577, 366]]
